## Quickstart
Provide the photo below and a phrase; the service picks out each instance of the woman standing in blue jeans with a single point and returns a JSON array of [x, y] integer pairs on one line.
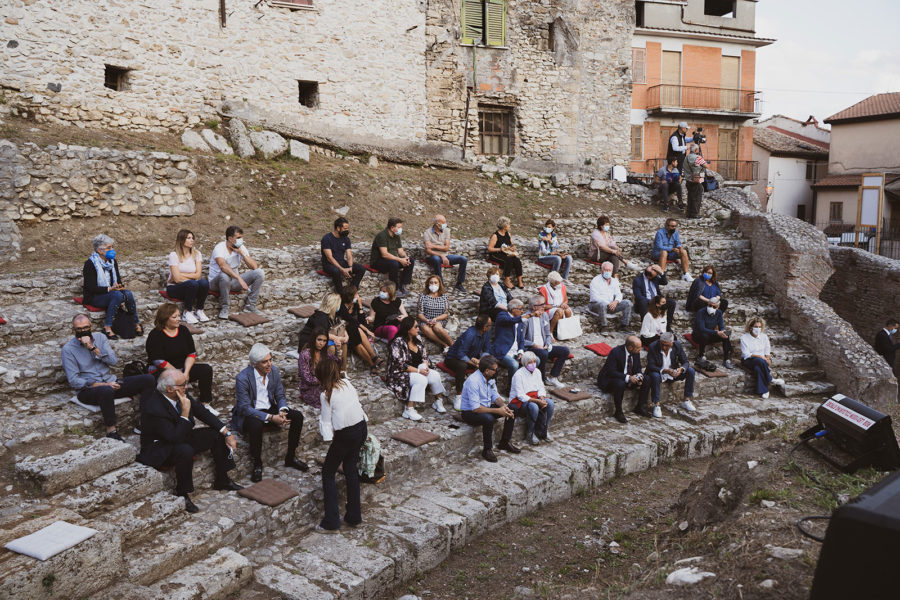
[[342, 421], [103, 285], [186, 281]]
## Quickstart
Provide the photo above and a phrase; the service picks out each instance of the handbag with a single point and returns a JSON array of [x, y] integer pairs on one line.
[[568, 328], [123, 325]]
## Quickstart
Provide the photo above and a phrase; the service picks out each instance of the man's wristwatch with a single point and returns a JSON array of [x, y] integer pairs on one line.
[[226, 433]]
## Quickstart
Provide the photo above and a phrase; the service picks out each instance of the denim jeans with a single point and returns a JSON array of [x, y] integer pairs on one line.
[[436, 265], [193, 292], [558, 264], [111, 301], [537, 418]]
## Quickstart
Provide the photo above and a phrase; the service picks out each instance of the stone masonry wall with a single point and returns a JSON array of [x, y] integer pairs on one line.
[[367, 59], [60, 182], [793, 259]]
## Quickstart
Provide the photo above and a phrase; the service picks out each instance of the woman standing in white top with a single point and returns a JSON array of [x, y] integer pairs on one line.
[[756, 355], [655, 321], [528, 398], [343, 422], [186, 281]]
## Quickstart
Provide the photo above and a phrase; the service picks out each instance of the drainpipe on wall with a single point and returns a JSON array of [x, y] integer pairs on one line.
[[468, 98]]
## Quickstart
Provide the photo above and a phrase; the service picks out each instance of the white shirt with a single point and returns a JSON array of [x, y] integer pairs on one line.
[[524, 382], [232, 259], [262, 392], [344, 410], [605, 290], [755, 345], [667, 364], [536, 323], [514, 349], [651, 326], [175, 406], [186, 266]]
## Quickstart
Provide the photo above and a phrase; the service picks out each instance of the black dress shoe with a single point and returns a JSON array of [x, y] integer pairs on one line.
[[257, 475], [190, 506], [296, 464], [620, 417], [227, 486], [114, 435], [644, 412], [488, 455], [509, 447]]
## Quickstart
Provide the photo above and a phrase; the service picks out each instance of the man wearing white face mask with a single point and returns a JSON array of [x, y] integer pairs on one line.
[[756, 355], [437, 247], [223, 271], [606, 297], [709, 328]]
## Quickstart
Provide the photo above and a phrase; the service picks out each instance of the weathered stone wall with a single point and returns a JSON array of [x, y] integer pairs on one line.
[[793, 259], [60, 182]]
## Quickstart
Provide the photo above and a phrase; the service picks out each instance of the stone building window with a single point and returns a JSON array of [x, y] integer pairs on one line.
[[483, 22], [293, 3], [638, 65], [836, 212], [801, 212], [639, 13], [496, 125], [309, 93], [719, 8], [115, 78], [637, 142]]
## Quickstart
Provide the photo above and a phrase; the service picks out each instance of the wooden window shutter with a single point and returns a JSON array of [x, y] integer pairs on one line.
[[639, 65], [637, 138], [472, 22], [495, 22]]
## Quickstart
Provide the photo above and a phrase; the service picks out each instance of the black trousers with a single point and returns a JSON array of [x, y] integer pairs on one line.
[[202, 373], [344, 450], [511, 265], [253, 429], [104, 396], [337, 278], [616, 387], [182, 458], [459, 372], [397, 273], [694, 200], [641, 307], [703, 341], [487, 420]]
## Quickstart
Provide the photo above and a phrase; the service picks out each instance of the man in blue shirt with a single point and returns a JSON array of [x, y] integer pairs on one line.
[[466, 350], [669, 180], [337, 257], [667, 245], [482, 405]]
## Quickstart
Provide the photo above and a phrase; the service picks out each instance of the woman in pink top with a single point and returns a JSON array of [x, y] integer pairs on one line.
[[603, 246], [186, 281]]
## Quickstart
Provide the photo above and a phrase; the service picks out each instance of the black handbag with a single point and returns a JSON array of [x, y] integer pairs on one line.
[[123, 325]]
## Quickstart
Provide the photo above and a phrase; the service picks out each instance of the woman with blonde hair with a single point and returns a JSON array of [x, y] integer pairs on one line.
[[186, 281], [502, 251], [387, 311], [756, 355], [434, 310], [324, 318]]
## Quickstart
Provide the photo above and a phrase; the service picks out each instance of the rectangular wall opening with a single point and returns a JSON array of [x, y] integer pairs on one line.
[[309, 93], [496, 127], [115, 78], [719, 8]]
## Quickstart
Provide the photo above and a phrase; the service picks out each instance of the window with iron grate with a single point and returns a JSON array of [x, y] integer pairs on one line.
[[496, 127]]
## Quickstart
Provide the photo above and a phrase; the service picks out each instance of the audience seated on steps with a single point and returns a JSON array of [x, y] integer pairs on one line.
[[704, 290], [224, 275], [667, 246], [437, 248], [260, 399], [709, 329], [529, 399], [647, 286], [666, 361], [359, 337], [603, 246], [409, 372], [169, 438], [433, 312], [606, 297], [387, 312], [342, 422], [655, 322], [389, 257], [466, 351], [668, 180], [170, 344], [756, 355], [482, 405], [509, 337], [186, 281], [337, 256], [86, 359], [556, 297], [549, 252], [502, 251], [621, 370], [317, 349], [103, 285], [324, 318], [539, 341], [494, 296]]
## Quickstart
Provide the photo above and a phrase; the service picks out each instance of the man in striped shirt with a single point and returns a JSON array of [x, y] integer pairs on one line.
[[694, 171]]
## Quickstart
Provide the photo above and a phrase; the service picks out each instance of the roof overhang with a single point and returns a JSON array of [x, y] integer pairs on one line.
[[701, 35]]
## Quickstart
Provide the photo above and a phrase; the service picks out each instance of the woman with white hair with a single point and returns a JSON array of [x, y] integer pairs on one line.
[[556, 298], [502, 251], [103, 285], [756, 355], [528, 397]]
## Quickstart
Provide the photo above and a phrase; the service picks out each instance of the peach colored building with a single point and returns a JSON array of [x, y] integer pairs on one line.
[[695, 61]]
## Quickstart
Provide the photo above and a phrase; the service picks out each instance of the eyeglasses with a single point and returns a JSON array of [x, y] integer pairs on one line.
[[180, 385]]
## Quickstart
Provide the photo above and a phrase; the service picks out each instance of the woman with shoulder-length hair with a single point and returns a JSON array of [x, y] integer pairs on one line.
[[409, 373], [186, 281], [324, 317], [503, 251], [756, 355], [103, 285]]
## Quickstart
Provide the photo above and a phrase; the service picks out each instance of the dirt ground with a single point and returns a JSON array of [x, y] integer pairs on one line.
[[622, 540], [286, 202]]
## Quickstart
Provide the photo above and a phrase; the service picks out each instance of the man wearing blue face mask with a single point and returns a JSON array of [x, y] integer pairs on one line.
[[389, 257], [606, 297], [884, 345], [226, 258]]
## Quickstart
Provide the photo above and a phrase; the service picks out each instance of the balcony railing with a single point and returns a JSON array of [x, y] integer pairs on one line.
[[848, 234], [730, 170], [694, 99]]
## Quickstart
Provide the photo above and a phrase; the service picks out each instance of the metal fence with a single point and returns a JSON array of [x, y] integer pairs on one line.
[[730, 170], [848, 234]]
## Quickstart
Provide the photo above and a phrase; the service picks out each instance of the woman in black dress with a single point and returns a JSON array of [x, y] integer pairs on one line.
[[502, 251], [352, 314]]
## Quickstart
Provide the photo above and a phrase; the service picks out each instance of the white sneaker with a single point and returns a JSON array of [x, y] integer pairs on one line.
[[210, 408], [188, 317], [411, 414], [438, 405], [201, 316], [223, 314], [548, 437], [765, 396], [687, 277], [779, 382], [457, 403], [532, 439], [657, 412], [555, 382], [688, 405]]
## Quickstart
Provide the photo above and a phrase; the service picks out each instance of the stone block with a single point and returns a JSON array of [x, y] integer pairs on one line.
[[268, 143], [223, 573], [194, 141], [300, 151], [290, 586], [55, 473], [240, 139], [216, 141], [559, 180]]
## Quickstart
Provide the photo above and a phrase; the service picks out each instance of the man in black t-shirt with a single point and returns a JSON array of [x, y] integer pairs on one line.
[[337, 257]]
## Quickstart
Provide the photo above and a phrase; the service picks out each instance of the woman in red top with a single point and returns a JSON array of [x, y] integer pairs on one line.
[[556, 298]]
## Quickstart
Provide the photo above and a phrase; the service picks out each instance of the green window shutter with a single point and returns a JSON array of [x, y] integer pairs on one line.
[[495, 22], [472, 21]]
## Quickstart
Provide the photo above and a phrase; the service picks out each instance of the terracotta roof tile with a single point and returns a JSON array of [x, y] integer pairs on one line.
[[838, 181], [782, 142], [879, 106]]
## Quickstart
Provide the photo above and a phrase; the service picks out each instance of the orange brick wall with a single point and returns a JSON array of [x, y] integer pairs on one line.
[[701, 66], [748, 70], [653, 66]]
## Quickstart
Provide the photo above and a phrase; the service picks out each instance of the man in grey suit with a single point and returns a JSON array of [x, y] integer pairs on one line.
[[259, 400]]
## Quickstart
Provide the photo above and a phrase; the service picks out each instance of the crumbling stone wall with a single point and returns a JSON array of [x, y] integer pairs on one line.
[[794, 260], [60, 182]]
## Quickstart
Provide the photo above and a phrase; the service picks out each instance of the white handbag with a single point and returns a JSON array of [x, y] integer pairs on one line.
[[568, 328]]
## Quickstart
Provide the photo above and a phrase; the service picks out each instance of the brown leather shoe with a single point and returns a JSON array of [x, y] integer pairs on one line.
[[509, 447]]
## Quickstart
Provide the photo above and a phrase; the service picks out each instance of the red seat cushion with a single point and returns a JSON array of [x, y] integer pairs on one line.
[[600, 348], [80, 300], [690, 339], [167, 296], [494, 262], [449, 371], [322, 272], [593, 262], [2, 321], [370, 269], [568, 357], [540, 264]]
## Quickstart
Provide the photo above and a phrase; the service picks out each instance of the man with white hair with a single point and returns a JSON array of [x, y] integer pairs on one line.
[[260, 399], [666, 361], [437, 247], [539, 341], [168, 436], [607, 298], [509, 336], [694, 173]]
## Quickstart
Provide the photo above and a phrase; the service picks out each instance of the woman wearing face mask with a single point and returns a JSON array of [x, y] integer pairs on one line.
[[316, 350], [103, 285], [434, 310], [548, 250], [556, 299], [704, 290], [501, 250], [529, 399], [654, 323], [756, 356], [354, 317], [387, 311], [494, 295], [603, 246], [409, 372]]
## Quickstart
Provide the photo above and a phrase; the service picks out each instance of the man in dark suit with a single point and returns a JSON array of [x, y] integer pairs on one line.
[[509, 337], [666, 361], [884, 344], [647, 286], [168, 436], [259, 400], [622, 369]]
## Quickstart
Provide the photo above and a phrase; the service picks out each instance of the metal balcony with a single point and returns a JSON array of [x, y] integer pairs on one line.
[[693, 100], [745, 171]]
